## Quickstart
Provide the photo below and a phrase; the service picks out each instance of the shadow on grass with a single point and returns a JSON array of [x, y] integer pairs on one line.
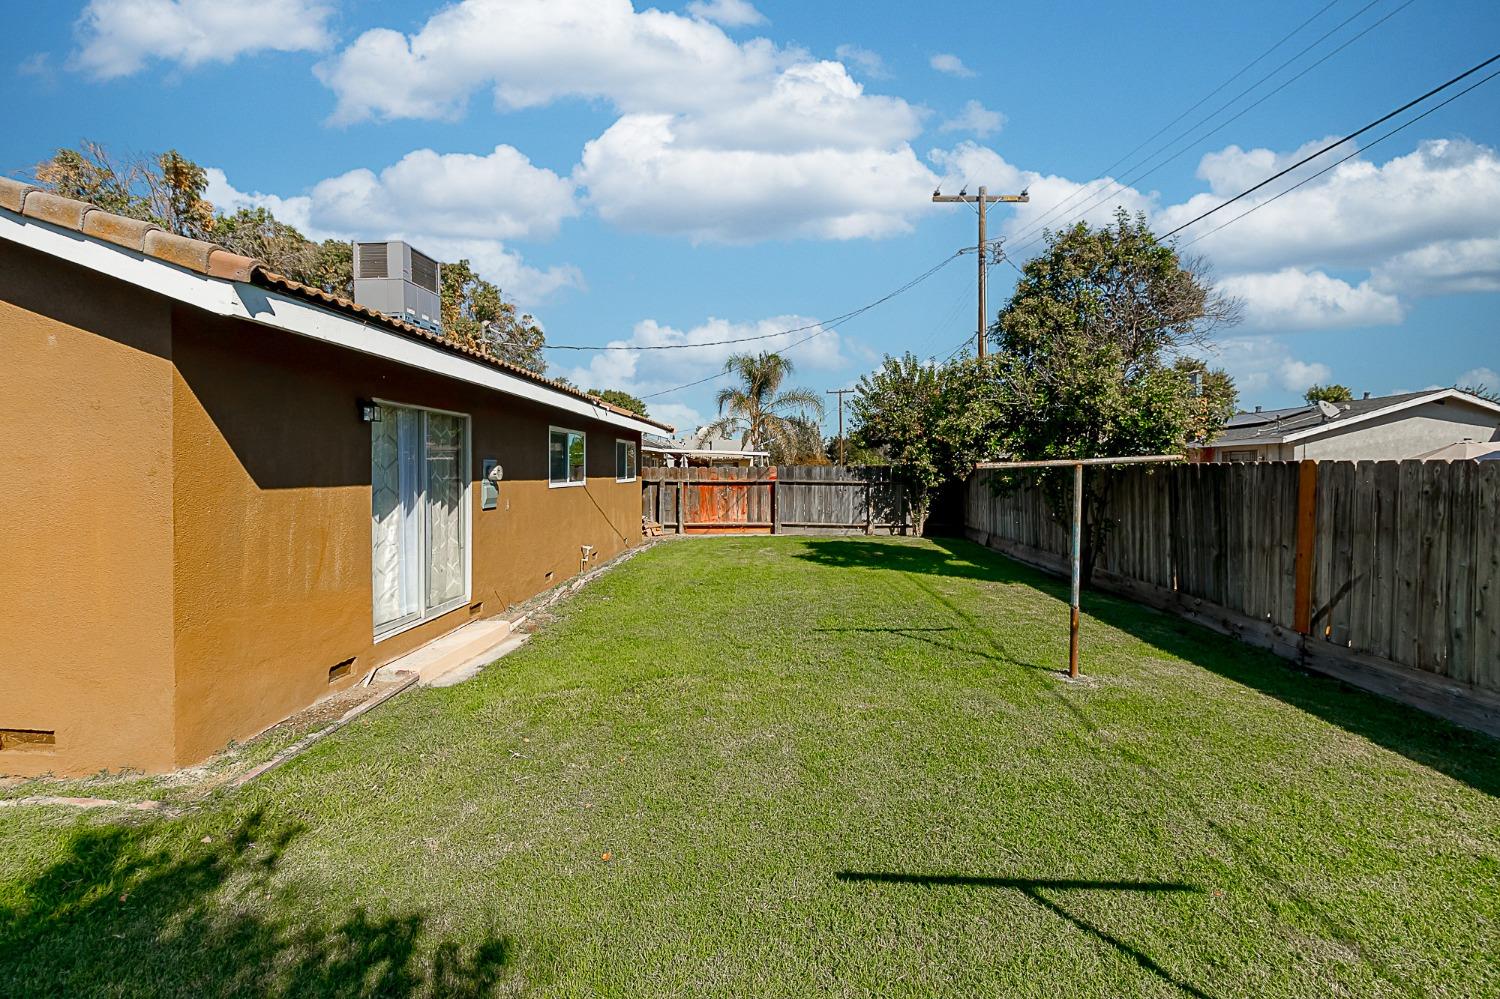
[[1033, 888], [118, 917], [1461, 754]]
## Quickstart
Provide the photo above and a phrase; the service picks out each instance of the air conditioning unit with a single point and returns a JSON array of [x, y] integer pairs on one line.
[[397, 280]]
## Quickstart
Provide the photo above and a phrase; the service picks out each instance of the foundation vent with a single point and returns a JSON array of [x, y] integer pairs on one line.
[[338, 671], [21, 739]]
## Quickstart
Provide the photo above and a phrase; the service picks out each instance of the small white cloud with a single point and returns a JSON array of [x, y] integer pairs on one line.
[[869, 63], [117, 37], [947, 62], [1261, 364], [1299, 376], [730, 13], [1292, 299], [976, 118], [1475, 377], [1442, 268], [680, 415]]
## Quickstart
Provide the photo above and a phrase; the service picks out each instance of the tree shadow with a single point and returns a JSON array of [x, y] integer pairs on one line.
[[116, 916], [1033, 888], [1464, 755]]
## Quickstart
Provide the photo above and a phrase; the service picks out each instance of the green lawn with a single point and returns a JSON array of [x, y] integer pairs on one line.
[[809, 767]]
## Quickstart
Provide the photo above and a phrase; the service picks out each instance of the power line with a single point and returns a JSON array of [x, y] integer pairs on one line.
[[1104, 173], [1339, 142], [1372, 144], [825, 323], [1136, 179], [821, 327]]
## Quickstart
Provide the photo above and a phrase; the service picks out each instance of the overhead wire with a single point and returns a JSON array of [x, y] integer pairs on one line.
[[1336, 143], [1103, 174], [1369, 145], [1137, 178]]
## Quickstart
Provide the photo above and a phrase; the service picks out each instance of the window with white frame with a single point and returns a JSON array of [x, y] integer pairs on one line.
[[624, 461], [566, 454], [419, 464]]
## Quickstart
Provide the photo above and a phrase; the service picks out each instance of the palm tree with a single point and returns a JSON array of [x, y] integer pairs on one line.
[[767, 416]]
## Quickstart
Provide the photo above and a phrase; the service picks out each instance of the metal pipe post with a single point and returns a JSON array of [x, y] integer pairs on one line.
[[1077, 569]]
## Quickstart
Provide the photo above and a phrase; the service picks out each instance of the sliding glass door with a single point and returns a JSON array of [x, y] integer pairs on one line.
[[419, 489]]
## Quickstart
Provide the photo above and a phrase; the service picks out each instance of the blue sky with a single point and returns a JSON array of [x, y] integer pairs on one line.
[[714, 169]]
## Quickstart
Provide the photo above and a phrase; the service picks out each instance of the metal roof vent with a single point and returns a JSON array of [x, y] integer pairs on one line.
[[393, 278]]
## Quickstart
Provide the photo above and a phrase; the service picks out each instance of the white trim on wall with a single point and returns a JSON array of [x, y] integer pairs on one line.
[[569, 484]]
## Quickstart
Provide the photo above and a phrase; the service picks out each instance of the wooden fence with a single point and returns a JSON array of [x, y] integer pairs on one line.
[[799, 499], [1386, 574]]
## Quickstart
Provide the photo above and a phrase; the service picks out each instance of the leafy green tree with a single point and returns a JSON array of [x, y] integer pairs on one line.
[[475, 313], [622, 399], [760, 409], [934, 422], [1083, 351], [802, 446], [1328, 393]]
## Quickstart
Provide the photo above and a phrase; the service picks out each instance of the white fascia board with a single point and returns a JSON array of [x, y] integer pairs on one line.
[[241, 300], [1422, 400]]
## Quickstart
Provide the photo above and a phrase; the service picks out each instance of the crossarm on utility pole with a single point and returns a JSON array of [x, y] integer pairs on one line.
[[983, 199]]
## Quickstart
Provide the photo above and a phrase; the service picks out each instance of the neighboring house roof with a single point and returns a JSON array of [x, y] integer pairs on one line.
[[702, 442], [1284, 426], [212, 261]]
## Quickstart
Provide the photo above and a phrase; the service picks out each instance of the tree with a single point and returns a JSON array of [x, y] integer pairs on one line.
[[1082, 349], [475, 313], [802, 446], [933, 422], [622, 399], [166, 188], [1481, 390], [1328, 393], [760, 409]]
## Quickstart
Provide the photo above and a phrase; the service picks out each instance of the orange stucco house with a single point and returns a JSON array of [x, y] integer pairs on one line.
[[226, 493]]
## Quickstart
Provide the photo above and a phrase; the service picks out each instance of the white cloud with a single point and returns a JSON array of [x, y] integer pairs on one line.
[[1357, 215], [1475, 377], [972, 164], [1261, 364], [869, 63], [947, 62], [976, 118], [1293, 299], [117, 37], [451, 205], [1442, 268], [532, 52], [644, 372], [680, 415], [730, 13]]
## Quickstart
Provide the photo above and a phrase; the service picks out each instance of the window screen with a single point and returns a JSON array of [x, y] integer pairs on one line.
[[624, 460]]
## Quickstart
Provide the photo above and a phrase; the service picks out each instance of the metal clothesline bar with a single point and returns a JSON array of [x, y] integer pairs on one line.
[[1069, 462]]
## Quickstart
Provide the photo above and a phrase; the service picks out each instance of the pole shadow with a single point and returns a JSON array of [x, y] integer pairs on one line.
[[1032, 888]]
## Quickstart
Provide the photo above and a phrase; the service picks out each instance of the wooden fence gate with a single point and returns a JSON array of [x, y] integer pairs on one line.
[[782, 499]]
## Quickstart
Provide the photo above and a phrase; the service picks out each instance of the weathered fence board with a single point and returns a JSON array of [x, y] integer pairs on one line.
[[803, 499], [1404, 557]]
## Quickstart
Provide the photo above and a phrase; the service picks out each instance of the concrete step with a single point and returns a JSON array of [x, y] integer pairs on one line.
[[477, 640], [464, 670]]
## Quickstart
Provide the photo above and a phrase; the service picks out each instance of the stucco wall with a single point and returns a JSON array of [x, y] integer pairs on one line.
[[272, 518], [86, 641], [1402, 435]]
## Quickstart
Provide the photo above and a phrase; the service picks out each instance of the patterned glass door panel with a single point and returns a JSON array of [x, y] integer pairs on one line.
[[396, 528], [444, 482]]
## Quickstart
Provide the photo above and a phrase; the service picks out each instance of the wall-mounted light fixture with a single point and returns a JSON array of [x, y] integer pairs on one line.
[[369, 411]]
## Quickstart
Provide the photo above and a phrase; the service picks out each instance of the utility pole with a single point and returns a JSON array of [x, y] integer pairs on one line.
[[982, 199], [840, 393]]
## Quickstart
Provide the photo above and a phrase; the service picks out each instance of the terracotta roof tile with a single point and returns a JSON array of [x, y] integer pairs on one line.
[[56, 209], [13, 194], [217, 262], [117, 229]]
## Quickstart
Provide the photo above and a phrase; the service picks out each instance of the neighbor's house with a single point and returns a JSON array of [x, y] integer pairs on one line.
[[1383, 428], [701, 449], [227, 493]]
